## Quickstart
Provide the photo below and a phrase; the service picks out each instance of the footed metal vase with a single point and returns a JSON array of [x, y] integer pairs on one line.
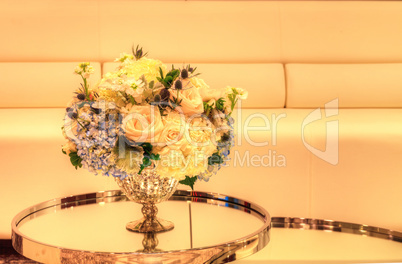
[[148, 189]]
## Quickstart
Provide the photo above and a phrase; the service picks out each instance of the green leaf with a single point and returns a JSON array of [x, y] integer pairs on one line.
[[161, 73], [220, 104], [189, 181], [154, 157], [174, 73], [64, 152], [151, 84], [146, 161], [169, 80], [75, 160], [215, 159], [141, 168], [132, 100], [147, 147]]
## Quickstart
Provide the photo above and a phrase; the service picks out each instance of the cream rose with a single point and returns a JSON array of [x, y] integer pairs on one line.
[[69, 147], [172, 134], [190, 101], [143, 124], [172, 163], [199, 135], [205, 91]]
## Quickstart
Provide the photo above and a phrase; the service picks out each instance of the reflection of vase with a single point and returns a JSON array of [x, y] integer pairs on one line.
[[150, 242], [148, 188]]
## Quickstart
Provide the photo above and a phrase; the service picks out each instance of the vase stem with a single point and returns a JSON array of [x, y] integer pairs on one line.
[[149, 223]]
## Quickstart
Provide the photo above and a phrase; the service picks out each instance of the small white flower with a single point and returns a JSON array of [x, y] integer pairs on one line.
[[124, 56], [84, 69]]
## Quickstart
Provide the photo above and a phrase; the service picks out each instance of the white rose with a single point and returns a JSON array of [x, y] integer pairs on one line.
[[190, 101], [205, 91]]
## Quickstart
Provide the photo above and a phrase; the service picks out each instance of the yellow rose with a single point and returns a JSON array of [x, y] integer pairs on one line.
[[143, 124]]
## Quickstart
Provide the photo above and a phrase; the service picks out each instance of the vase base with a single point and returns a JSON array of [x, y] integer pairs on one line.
[[156, 225]]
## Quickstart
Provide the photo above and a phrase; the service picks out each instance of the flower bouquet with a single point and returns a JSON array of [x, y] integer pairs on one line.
[[150, 127]]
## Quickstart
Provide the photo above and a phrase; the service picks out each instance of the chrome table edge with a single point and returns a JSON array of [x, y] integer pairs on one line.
[[221, 253], [336, 226]]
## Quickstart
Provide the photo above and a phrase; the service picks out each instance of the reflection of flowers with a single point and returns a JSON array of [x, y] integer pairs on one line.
[[143, 115]]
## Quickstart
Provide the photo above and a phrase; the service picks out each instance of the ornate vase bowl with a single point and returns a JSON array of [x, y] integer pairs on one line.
[[148, 189]]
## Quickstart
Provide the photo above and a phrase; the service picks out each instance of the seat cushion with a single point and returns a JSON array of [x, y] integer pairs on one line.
[[365, 185]]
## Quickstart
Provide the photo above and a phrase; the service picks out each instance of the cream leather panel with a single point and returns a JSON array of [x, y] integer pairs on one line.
[[203, 31], [341, 31], [364, 187], [355, 85], [40, 84]]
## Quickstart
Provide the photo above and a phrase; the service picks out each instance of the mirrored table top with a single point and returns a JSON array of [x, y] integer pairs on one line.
[[209, 228], [90, 228]]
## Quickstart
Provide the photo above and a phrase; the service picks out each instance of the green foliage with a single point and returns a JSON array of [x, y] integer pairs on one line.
[[215, 159], [75, 159], [233, 98], [220, 104], [189, 181], [148, 156], [147, 148], [170, 77], [151, 84]]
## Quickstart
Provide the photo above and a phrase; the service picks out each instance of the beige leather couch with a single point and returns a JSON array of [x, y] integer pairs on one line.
[[320, 135]]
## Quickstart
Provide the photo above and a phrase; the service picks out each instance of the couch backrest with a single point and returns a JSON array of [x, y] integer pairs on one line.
[[39, 84], [307, 85], [203, 31], [264, 82], [355, 85]]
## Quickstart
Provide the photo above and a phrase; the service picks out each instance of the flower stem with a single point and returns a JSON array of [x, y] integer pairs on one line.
[[81, 125], [85, 87], [177, 97]]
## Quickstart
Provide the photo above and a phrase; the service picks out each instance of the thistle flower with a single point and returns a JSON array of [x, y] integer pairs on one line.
[[178, 85], [81, 96], [184, 74], [164, 94]]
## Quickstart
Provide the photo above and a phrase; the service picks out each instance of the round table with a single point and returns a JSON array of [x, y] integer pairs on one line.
[[209, 228], [90, 228]]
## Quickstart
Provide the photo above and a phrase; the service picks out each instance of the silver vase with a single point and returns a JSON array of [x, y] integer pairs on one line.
[[148, 189]]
